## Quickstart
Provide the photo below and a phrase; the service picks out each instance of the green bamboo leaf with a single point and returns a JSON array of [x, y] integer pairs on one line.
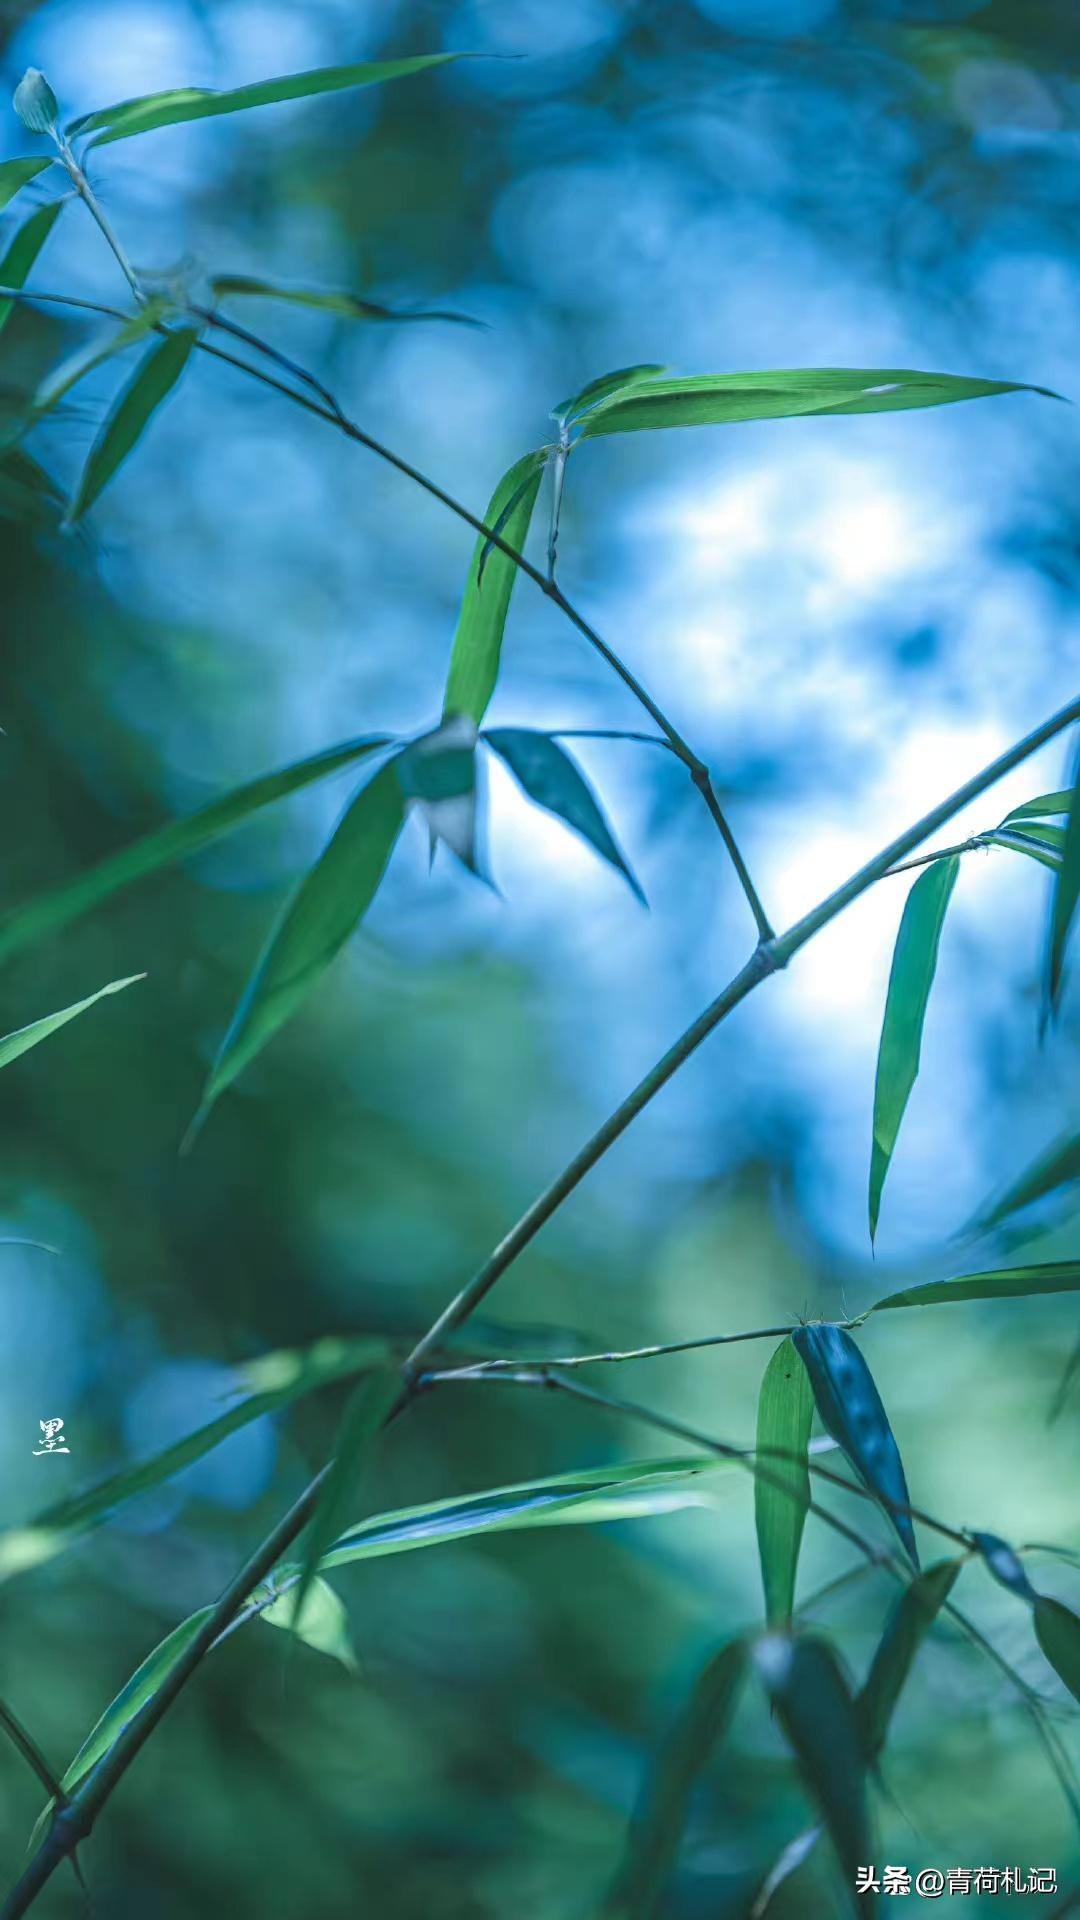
[[782, 1495], [1057, 1630], [227, 286], [603, 388], [818, 1716], [787, 1862], [1061, 1395], [272, 1382], [1009, 1283], [365, 1417], [910, 980], [1016, 842], [14, 1044], [474, 661], [1066, 896], [851, 1411], [1043, 804], [708, 400], [657, 1827], [1042, 834], [28, 494], [152, 110], [906, 1628], [498, 527], [145, 1682], [58, 384], [48, 912], [153, 380], [35, 102], [23, 249], [636, 1489], [323, 1624], [1005, 1565], [1055, 1168], [16, 174], [317, 920], [551, 778], [437, 774]]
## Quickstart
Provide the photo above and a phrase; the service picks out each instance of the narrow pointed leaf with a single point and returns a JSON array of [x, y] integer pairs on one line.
[[907, 1627], [1055, 1168], [1005, 1565], [58, 384], [551, 778], [349, 306], [23, 249], [1066, 896], [28, 494], [720, 399], [1016, 842], [1069, 1374], [657, 1827], [498, 527], [437, 774], [787, 1862], [364, 1420], [274, 1381], [638, 1488], [13, 1044], [323, 1624], [145, 1682], [851, 1411], [328, 904], [48, 912], [1057, 1630], [153, 380], [782, 1493], [16, 174], [910, 980], [178, 104], [477, 649], [818, 1716], [603, 388], [1041, 806], [1010, 1283]]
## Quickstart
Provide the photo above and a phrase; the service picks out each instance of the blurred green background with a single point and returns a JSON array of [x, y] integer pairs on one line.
[[846, 617]]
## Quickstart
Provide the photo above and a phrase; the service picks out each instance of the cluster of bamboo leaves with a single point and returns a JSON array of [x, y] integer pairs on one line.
[[837, 1732]]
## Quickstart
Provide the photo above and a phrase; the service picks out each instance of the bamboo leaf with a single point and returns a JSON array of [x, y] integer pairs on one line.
[[638, 1488], [782, 1496], [1015, 842], [603, 388], [1061, 1395], [35, 102], [657, 1827], [28, 494], [851, 1411], [14, 1044], [323, 1624], [550, 777], [787, 1862], [153, 380], [907, 1627], [48, 912], [1055, 1168], [1066, 896], [1010, 1283], [274, 1381], [498, 527], [23, 249], [708, 400], [329, 903], [437, 774], [145, 1682], [1057, 1630], [1043, 804], [16, 174], [364, 1420], [178, 104], [477, 649], [1005, 1565], [348, 306], [910, 980], [60, 381], [816, 1711]]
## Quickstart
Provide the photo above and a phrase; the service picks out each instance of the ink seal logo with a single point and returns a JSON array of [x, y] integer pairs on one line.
[[54, 1438]]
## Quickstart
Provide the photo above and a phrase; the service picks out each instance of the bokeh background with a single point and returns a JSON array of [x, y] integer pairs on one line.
[[847, 617]]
